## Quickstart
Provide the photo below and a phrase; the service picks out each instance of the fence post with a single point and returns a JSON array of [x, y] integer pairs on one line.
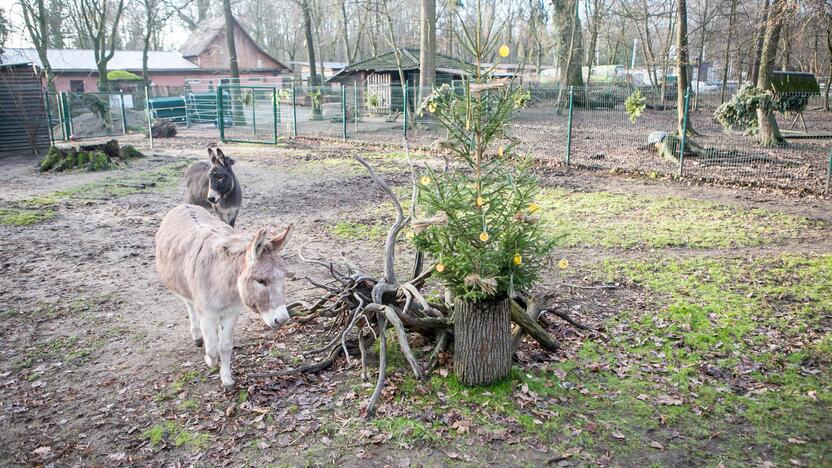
[[344, 111], [220, 116], [569, 127], [404, 93], [123, 115], [294, 113], [274, 113], [60, 104], [253, 109], [684, 134], [355, 105], [147, 111], [49, 118], [828, 173], [68, 115]]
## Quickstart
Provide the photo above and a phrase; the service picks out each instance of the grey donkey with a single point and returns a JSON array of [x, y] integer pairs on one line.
[[213, 186]]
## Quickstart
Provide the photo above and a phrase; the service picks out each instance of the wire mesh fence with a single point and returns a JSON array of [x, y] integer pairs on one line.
[[586, 127]]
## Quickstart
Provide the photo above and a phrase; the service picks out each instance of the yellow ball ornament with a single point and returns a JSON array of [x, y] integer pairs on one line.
[[409, 235], [500, 151], [440, 267], [563, 264], [533, 207], [480, 201], [425, 180], [431, 108], [504, 50], [484, 236], [518, 259]]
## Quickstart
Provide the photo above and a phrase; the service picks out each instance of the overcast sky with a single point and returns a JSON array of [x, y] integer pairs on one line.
[[174, 34]]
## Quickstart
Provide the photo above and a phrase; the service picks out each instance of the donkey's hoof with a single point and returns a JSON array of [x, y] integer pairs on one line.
[[228, 387], [199, 342]]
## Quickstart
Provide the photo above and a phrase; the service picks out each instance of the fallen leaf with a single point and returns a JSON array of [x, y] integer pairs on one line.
[[792, 440], [618, 435], [44, 451], [117, 456], [591, 427], [656, 445]]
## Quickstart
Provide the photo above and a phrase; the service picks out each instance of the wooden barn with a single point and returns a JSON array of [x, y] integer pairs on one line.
[[23, 123], [207, 48], [379, 76]]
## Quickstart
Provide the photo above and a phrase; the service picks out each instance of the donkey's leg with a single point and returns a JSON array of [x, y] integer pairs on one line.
[[208, 324], [196, 333], [227, 325]]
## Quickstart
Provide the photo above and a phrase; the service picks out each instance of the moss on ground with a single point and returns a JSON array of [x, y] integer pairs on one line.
[[174, 433], [626, 220]]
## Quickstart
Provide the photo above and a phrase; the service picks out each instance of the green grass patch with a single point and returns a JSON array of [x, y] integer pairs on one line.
[[176, 434], [627, 220], [350, 230], [24, 217], [158, 179]]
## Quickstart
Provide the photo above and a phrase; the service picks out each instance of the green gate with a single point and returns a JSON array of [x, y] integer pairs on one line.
[[250, 114]]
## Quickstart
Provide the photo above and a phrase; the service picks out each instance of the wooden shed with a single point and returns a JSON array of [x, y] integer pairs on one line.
[[379, 76], [24, 126]]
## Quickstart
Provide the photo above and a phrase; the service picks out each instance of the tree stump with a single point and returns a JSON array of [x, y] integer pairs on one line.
[[482, 341], [163, 129]]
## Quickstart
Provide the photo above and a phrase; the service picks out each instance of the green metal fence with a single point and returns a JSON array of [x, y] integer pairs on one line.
[[576, 127]]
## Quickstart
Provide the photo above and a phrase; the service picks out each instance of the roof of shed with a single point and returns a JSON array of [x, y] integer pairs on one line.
[[84, 59], [410, 61], [208, 30]]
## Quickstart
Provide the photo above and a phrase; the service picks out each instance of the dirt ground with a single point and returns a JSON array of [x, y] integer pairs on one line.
[[98, 368]]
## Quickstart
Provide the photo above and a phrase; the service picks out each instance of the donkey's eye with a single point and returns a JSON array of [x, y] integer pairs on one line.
[[220, 178], [261, 281]]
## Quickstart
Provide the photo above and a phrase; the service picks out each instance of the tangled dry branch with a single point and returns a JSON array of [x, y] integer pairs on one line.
[[361, 307]]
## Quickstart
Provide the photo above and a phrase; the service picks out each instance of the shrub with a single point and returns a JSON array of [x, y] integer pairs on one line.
[[741, 111], [635, 105], [122, 75]]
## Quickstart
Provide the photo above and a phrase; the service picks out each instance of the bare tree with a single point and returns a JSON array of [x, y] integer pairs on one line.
[[682, 80], [427, 47], [769, 132], [568, 40], [156, 14], [727, 59], [35, 18], [98, 20]]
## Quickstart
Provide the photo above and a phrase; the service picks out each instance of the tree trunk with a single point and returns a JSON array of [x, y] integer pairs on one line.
[[758, 50], [229, 38], [569, 42], [682, 66], [829, 76], [233, 67], [310, 53], [427, 48], [769, 132], [482, 341], [727, 58], [345, 37]]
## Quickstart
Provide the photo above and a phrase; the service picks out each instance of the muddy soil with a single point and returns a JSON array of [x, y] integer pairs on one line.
[[94, 346]]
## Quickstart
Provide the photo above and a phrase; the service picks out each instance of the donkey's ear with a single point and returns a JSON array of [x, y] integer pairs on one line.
[[257, 245], [280, 241], [216, 161], [223, 160]]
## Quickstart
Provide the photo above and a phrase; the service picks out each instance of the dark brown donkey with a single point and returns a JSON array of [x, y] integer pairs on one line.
[[213, 186]]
